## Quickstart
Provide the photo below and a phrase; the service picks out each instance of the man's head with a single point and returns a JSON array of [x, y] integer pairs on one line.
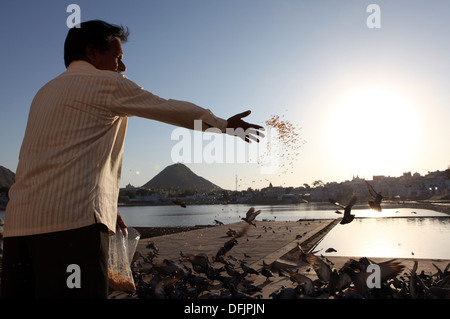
[[98, 43]]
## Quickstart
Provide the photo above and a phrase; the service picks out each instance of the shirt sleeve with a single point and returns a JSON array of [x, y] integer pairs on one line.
[[130, 99]]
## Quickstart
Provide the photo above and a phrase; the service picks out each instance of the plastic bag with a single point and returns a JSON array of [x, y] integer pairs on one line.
[[121, 251]]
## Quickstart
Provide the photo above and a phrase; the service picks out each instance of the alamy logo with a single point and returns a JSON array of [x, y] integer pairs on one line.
[[74, 279], [74, 19], [374, 279], [374, 19]]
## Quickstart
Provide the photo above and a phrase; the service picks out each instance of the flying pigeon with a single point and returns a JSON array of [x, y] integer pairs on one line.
[[348, 218]]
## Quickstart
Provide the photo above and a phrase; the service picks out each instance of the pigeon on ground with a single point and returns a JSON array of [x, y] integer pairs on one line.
[[226, 248]]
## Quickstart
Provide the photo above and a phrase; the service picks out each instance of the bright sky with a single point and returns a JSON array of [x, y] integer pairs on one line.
[[369, 101]]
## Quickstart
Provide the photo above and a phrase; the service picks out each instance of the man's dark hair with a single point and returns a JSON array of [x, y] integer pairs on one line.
[[96, 33]]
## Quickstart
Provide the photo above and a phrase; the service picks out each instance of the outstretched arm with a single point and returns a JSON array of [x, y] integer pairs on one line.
[[244, 130]]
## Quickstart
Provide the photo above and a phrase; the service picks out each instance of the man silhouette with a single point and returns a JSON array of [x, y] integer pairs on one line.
[[63, 204]]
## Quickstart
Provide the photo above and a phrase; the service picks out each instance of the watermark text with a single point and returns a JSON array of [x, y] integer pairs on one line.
[[74, 19]]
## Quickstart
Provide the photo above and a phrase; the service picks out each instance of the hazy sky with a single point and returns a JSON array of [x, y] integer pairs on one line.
[[369, 101]]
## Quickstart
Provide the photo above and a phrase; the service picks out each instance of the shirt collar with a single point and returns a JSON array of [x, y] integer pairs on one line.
[[81, 65], [84, 65]]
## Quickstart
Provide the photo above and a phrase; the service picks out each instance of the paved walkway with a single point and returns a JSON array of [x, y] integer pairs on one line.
[[268, 241]]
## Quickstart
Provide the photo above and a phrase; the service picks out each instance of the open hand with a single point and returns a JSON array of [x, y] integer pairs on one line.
[[244, 130]]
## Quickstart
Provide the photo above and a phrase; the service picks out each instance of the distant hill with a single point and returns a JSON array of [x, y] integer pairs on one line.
[[179, 176], [7, 177]]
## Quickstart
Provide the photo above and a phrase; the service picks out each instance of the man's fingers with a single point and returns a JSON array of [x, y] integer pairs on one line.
[[244, 114], [255, 131], [258, 127], [246, 131], [248, 137], [253, 138], [240, 115]]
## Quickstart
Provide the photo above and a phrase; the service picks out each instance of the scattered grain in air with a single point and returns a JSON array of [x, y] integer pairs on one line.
[[289, 138]]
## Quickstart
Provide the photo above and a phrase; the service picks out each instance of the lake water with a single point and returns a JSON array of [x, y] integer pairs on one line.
[[173, 215], [390, 237], [396, 233]]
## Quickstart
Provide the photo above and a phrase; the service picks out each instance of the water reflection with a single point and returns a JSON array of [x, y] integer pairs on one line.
[[390, 238], [205, 214], [392, 233]]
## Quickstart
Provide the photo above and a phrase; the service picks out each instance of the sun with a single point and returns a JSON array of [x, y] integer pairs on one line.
[[372, 131]]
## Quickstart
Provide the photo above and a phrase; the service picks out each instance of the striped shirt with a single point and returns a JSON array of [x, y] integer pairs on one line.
[[70, 161]]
